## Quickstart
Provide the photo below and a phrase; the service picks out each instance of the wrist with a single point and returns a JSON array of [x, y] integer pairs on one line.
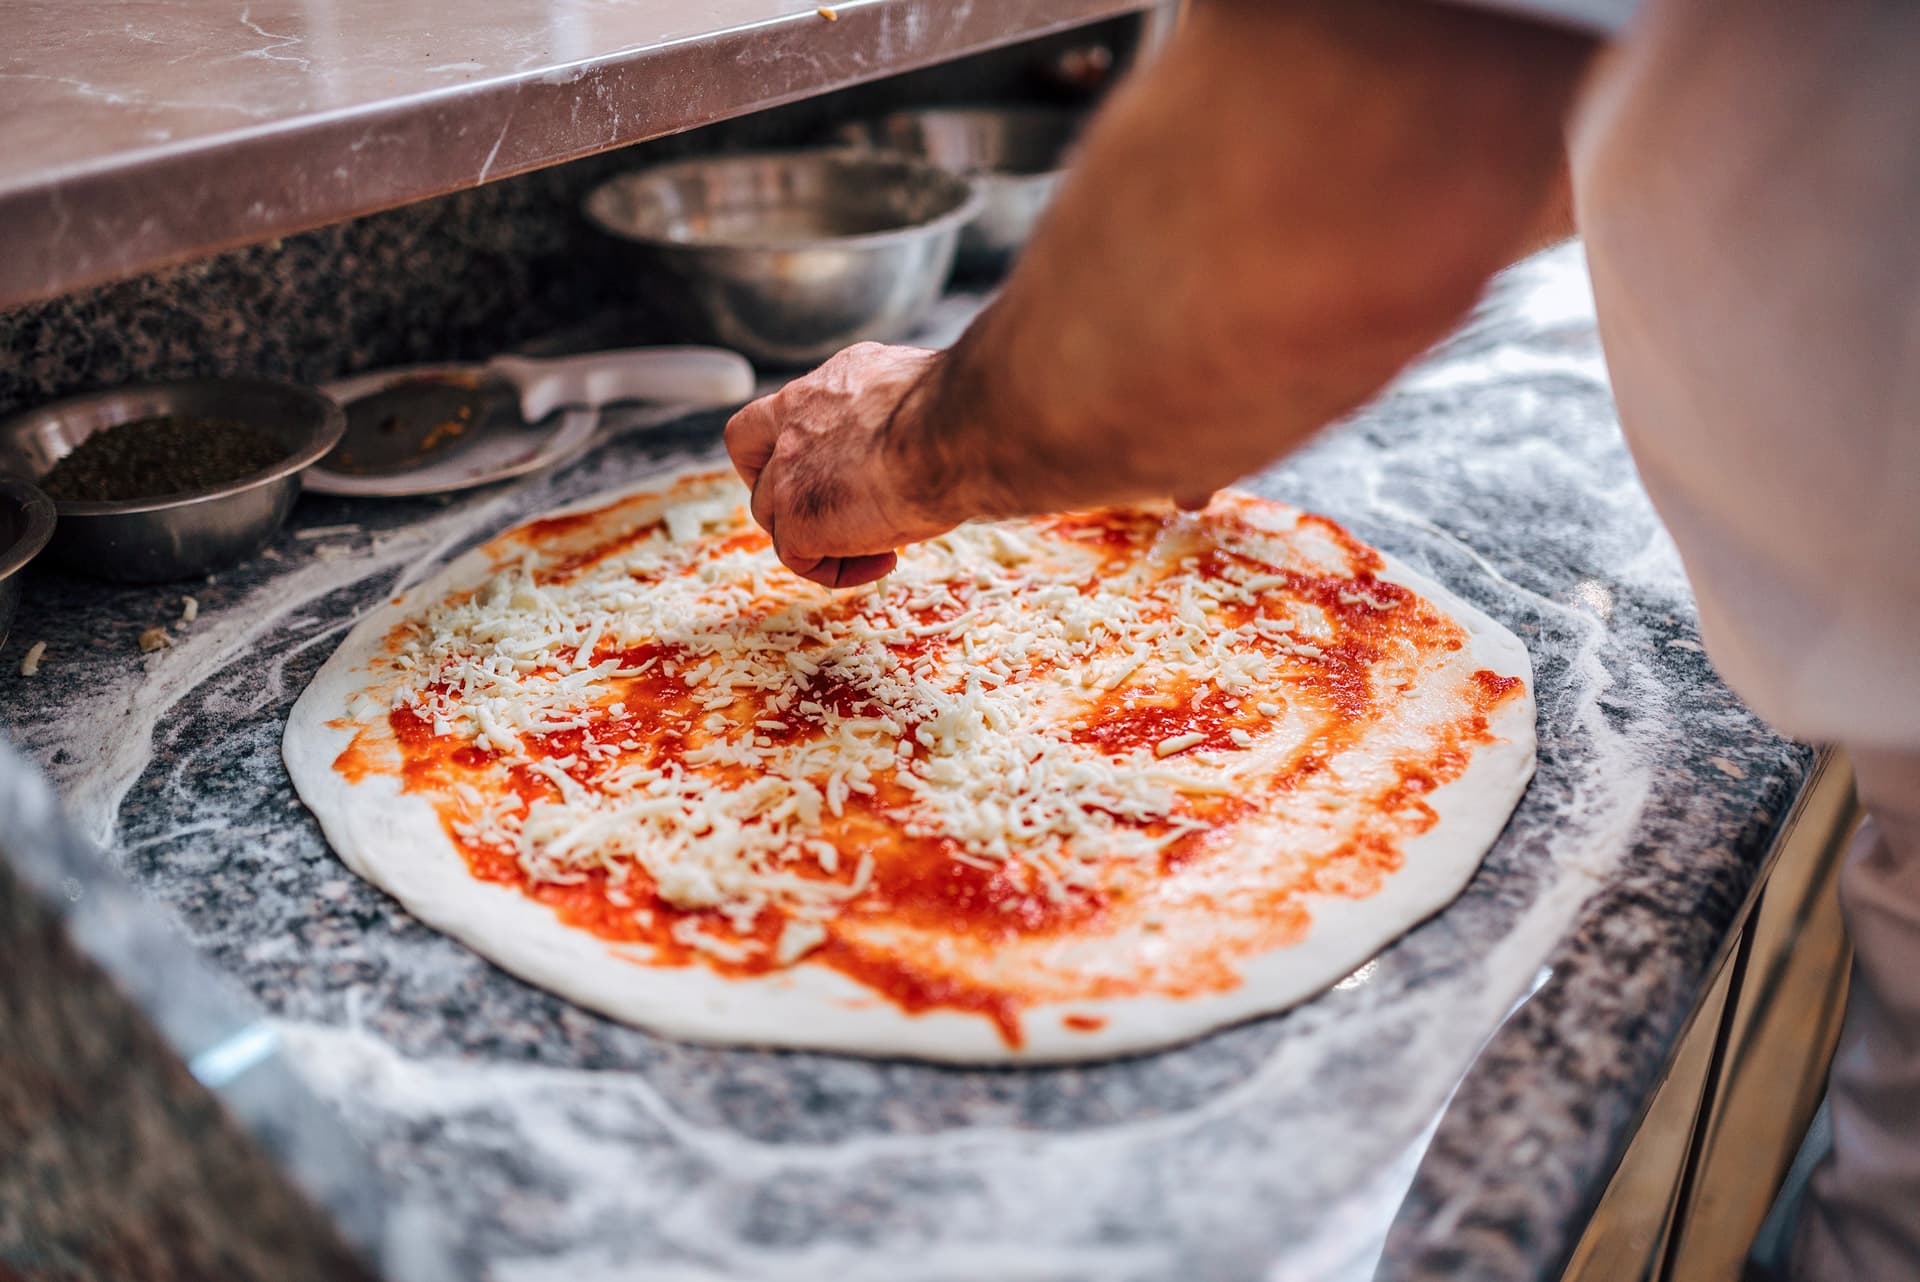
[[921, 475]]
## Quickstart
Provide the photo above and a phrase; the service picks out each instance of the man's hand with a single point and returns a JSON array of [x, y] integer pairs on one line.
[[1262, 228], [827, 483]]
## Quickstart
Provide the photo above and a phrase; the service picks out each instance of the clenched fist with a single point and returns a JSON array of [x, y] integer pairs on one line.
[[827, 474]]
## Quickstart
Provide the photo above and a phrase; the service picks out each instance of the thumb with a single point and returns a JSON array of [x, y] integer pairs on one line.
[[842, 571]]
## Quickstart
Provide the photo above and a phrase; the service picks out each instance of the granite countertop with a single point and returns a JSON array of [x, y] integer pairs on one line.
[[1450, 1110]]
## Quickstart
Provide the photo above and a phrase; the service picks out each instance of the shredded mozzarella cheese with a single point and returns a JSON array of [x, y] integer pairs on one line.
[[958, 683]]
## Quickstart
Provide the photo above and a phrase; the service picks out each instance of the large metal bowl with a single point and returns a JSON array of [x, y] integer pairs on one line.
[[791, 256], [149, 540], [1016, 155], [26, 523]]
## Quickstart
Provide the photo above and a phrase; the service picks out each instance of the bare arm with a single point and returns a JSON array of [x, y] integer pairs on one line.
[[1295, 201]]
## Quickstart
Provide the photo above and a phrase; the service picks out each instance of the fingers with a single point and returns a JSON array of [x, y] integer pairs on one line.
[[803, 534], [810, 455], [751, 434], [761, 502], [1193, 502]]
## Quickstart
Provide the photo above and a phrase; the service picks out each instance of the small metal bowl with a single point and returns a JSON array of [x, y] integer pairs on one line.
[[1017, 156], [26, 523], [790, 256], [177, 535]]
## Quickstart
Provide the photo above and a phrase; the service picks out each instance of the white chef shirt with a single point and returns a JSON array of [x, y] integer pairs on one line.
[[1747, 184], [1748, 188]]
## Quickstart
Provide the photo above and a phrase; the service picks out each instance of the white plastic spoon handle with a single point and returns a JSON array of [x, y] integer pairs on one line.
[[703, 376]]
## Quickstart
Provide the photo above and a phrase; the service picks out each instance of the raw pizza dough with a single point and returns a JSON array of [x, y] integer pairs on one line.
[[1221, 965]]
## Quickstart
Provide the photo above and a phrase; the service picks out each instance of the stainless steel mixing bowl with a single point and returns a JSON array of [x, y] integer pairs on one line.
[[1016, 155], [790, 256], [148, 540], [26, 523]]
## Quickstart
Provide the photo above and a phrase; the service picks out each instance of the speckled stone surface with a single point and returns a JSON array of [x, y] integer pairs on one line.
[[1448, 1111]]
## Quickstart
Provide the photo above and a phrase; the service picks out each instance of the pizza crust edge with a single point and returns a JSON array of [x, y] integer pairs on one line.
[[396, 842]]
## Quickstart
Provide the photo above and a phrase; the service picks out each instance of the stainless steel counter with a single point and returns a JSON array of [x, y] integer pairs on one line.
[[142, 133]]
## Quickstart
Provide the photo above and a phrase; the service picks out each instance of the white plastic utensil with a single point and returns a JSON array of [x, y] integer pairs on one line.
[[432, 428], [687, 375]]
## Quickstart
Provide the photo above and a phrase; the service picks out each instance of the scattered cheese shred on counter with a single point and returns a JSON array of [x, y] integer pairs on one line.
[[951, 697], [154, 639], [30, 665], [189, 610]]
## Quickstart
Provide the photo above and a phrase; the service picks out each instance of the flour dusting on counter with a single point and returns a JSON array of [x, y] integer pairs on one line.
[[554, 1145]]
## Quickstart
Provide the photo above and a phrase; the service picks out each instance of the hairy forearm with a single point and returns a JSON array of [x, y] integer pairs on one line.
[[1295, 201]]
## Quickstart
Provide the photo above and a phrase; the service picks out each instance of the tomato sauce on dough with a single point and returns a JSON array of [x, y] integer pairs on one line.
[[929, 930]]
